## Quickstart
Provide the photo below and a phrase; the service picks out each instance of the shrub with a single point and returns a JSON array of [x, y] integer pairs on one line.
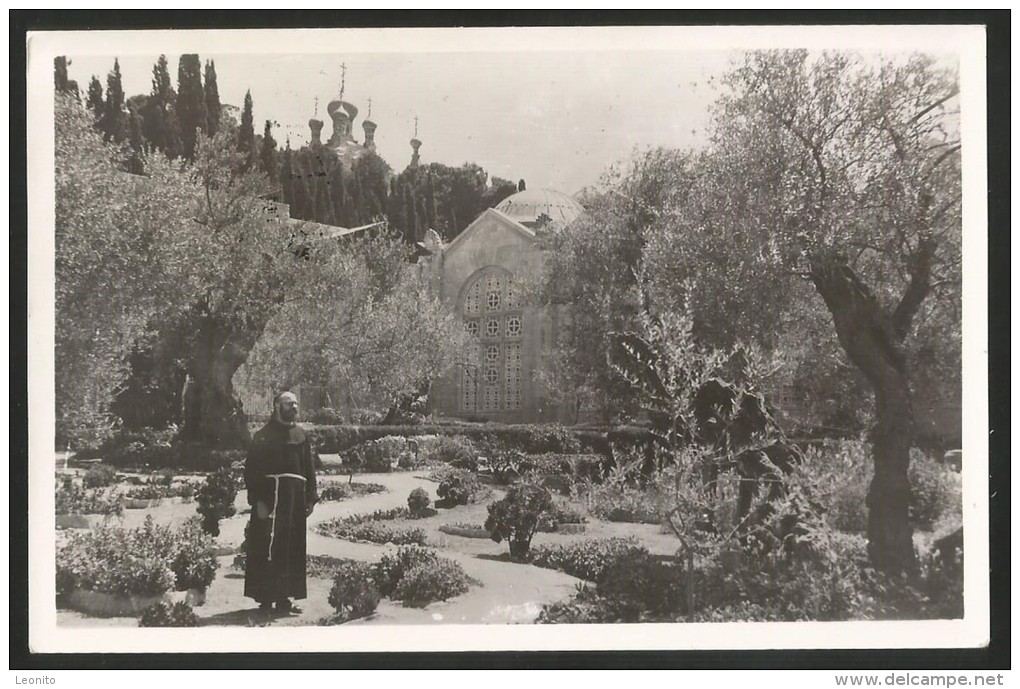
[[459, 487], [418, 502], [70, 498], [585, 559], [160, 449], [325, 416], [641, 583], [354, 593], [629, 505], [431, 581], [100, 476], [515, 517], [179, 614], [216, 499], [159, 491], [455, 450], [931, 490], [560, 514], [147, 560], [388, 572]]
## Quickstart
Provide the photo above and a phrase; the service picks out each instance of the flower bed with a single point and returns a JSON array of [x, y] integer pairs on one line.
[[136, 565], [465, 530], [373, 529], [586, 559], [72, 499], [336, 491]]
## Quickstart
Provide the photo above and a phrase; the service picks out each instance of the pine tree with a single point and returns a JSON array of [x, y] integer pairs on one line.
[[191, 113], [113, 123], [94, 102], [246, 132], [212, 99], [268, 153]]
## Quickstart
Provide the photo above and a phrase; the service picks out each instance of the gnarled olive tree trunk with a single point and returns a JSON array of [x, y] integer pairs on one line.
[[873, 340]]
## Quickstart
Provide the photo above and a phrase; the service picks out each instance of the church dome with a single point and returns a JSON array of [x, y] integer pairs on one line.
[[527, 206]]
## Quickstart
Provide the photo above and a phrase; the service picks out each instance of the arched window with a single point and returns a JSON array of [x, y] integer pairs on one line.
[[494, 321]]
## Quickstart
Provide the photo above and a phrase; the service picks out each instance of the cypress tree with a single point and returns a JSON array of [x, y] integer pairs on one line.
[[323, 205], [60, 80], [411, 215], [246, 132], [268, 152], [430, 202], [191, 114], [94, 101], [286, 174], [212, 99], [113, 123], [136, 164], [156, 125], [336, 185]]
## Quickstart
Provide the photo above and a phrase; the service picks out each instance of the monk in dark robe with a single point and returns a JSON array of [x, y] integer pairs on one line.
[[279, 476]]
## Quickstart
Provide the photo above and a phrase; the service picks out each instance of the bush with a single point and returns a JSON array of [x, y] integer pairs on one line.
[[631, 506], [459, 487], [455, 450], [149, 560], [641, 583], [100, 476], [160, 449], [160, 491], [515, 517], [216, 499], [179, 614], [560, 514], [391, 568], [354, 593], [418, 502], [325, 416], [70, 498], [585, 559], [427, 582], [931, 491]]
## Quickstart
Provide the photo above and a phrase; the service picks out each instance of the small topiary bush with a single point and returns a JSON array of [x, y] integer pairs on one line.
[[179, 614], [432, 581], [100, 476], [418, 502], [454, 450], [515, 517], [216, 499], [354, 593]]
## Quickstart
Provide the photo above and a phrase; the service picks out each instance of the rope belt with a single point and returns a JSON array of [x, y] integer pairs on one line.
[[276, 497]]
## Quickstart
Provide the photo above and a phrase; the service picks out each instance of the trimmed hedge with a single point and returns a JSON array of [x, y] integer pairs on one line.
[[534, 439]]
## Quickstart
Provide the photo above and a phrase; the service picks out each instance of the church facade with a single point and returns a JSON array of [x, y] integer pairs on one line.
[[483, 277]]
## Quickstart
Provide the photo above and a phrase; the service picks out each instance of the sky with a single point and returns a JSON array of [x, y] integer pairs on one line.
[[555, 118]]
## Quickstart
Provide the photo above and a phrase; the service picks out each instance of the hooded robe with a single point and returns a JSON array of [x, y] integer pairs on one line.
[[280, 473]]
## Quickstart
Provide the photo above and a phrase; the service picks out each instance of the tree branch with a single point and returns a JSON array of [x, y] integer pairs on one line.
[[917, 289]]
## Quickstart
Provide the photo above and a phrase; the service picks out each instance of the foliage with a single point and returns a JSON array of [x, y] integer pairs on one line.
[[515, 517], [125, 250], [432, 581], [458, 487], [585, 559], [641, 583], [354, 593], [334, 491], [370, 527], [373, 326], [147, 560], [490, 438], [455, 450], [71, 498], [178, 614], [216, 499], [391, 568], [560, 514], [418, 502], [159, 491], [99, 476], [932, 494]]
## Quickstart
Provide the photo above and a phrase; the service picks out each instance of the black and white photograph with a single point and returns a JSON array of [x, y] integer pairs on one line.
[[566, 338]]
